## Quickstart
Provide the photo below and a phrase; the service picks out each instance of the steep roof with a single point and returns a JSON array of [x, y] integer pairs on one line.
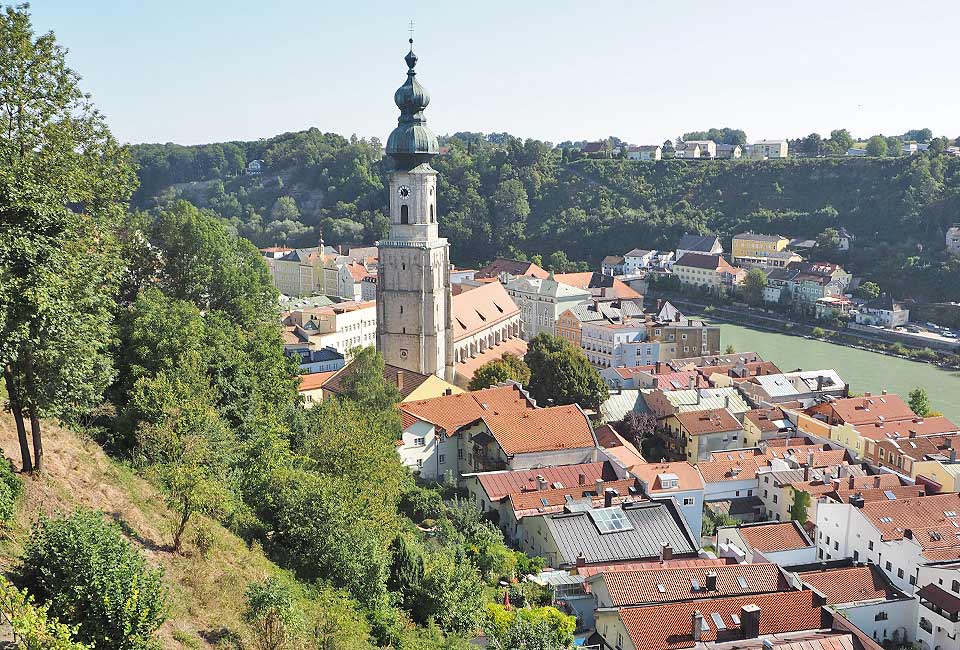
[[547, 287], [498, 485], [863, 410], [642, 587], [406, 381], [704, 261], [697, 243], [850, 584], [688, 478], [682, 401], [897, 430], [767, 420], [930, 520], [314, 380], [480, 308], [554, 500], [594, 569], [526, 431], [510, 267], [697, 423], [611, 286], [775, 536], [651, 524], [451, 412], [668, 626], [738, 469]]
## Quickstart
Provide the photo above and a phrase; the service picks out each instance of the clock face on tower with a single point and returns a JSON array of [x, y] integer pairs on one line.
[[403, 191]]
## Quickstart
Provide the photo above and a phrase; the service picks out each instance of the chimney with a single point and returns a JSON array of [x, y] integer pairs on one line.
[[541, 482], [867, 393], [856, 500], [697, 626], [608, 495], [836, 484], [581, 560], [656, 368], [692, 384], [876, 481], [726, 401], [711, 580], [953, 455], [448, 392], [851, 481], [666, 553], [806, 474], [810, 458], [598, 487], [883, 391], [399, 380], [582, 479], [750, 621], [908, 533]]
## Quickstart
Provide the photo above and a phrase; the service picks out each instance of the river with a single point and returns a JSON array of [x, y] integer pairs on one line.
[[863, 370]]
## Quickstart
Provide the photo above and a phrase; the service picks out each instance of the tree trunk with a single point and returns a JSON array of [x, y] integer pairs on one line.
[[37, 441], [17, 410], [179, 532]]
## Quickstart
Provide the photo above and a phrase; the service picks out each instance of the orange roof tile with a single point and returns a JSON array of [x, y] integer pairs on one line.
[[688, 476], [780, 536], [466, 369], [849, 584], [925, 517], [314, 380], [450, 412], [526, 431], [696, 423], [667, 584], [865, 410], [498, 485], [480, 308], [668, 626], [766, 419], [583, 280], [594, 569], [736, 469], [554, 499], [901, 429]]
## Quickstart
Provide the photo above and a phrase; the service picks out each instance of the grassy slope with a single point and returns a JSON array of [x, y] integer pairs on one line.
[[205, 595]]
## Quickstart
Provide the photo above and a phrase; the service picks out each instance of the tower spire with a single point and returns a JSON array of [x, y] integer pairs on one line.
[[412, 142]]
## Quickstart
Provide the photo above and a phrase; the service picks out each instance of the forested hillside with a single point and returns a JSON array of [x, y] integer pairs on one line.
[[505, 196]]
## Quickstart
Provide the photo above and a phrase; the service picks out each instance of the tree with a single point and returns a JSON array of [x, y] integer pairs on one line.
[[918, 135], [800, 507], [754, 284], [509, 367], [29, 624], [730, 349], [538, 628], [828, 240], [562, 374], [364, 383], [406, 571], [894, 146], [510, 208], [668, 149], [558, 262], [92, 577], [840, 140], [637, 426], [452, 595], [877, 146], [919, 402], [868, 290], [271, 613], [285, 209], [813, 145], [58, 267]]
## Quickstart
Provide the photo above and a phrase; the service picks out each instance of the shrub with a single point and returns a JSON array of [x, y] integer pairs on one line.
[[11, 489], [818, 332], [421, 503], [91, 577], [203, 540], [271, 613], [29, 624]]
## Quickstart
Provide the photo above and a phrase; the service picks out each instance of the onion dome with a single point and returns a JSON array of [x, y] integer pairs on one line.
[[412, 142]]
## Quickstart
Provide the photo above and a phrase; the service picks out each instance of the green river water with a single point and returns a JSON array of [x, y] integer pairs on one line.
[[864, 371]]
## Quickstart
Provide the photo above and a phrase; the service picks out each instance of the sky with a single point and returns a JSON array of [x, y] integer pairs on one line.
[[643, 70]]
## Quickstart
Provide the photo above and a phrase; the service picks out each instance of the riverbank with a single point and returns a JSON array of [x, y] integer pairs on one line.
[[864, 370]]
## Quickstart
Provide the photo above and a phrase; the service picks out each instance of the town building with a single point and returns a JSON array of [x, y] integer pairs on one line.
[[750, 245], [343, 327], [707, 271], [761, 424], [504, 270], [486, 325], [729, 151], [706, 244], [600, 286], [414, 294], [938, 593], [734, 374], [542, 300], [638, 259], [570, 322], [899, 535], [784, 543], [804, 283], [803, 386], [883, 311], [679, 481], [323, 360], [411, 386], [697, 149], [310, 388], [612, 265], [645, 152], [303, 271], [953, 238], [840, 420], [255, 168], [700, 433], [668, 403], [764, 149], [863, 595]]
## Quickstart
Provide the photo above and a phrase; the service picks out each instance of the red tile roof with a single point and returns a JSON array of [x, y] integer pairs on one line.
[[314, 380], [450, 412], [883, 494], [849, 584], [866, 410], [925, 517], [511, 267], [688, 478], [593, 569], [669, 626], [696, 423], [738, 469], [583, 280], [498, 485], [481, 308], [542, 429], [901, 429], [553, 500], [680, 380], [772, 537], [766, 419], [629, 373], [642, 587]]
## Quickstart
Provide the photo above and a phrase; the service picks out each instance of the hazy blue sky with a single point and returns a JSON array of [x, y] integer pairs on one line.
[[644, 70]]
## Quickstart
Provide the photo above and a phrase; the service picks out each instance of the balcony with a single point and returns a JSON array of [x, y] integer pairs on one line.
[[485, 463]]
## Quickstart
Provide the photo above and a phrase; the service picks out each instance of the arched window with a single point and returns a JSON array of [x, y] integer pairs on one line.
[[404, 214], [432, 218]]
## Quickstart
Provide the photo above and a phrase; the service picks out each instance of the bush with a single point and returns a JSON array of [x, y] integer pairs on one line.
[[29, 624], [818, 332], [11, 489], [421, 503], [91, 577]]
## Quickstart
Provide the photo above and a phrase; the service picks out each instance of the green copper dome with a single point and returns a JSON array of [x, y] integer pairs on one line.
[[412, 142]]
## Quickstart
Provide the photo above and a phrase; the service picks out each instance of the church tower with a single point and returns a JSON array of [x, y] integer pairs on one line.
[[414, 312]]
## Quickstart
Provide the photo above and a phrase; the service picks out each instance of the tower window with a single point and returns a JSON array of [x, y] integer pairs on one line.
[[432, 218], [404, 214]]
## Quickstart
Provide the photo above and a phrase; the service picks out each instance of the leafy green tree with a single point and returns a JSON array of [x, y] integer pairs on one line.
[[334, 622], [91, 577], [840, 140], [271, 612], [753, 286], [813, 145], [531, 628], [452, 595], [894, 146], [510, 208], [558, 262], [509, 367], [364, 383], [58, 266], [11, 489], [406, 571], [801, 506], [668, 149], [918, 135], [829, 239], [868, 290], [877, 146], [285, 209], [729, 349], [29, 624], [919, 402], [562, 374]]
